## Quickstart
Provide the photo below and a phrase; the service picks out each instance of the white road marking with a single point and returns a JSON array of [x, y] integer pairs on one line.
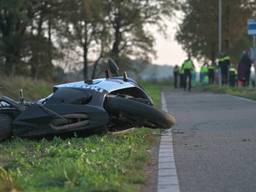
[[167, 173]]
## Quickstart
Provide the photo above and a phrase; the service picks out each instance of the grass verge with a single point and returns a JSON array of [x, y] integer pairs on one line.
[[97, 163], [154, 90], [246, 92], [33, 89]]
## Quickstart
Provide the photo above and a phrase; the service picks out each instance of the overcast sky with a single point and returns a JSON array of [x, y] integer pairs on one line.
[[168, 50]]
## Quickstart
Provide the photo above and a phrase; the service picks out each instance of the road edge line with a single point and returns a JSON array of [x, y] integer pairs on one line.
[[167, 173]]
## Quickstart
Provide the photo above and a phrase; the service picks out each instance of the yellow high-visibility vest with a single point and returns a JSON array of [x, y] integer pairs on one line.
[[188, 64]]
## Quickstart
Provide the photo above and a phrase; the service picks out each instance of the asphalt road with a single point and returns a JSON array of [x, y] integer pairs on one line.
[[214, 142]]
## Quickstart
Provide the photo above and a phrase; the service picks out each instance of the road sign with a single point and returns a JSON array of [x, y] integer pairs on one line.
[[251, 27]]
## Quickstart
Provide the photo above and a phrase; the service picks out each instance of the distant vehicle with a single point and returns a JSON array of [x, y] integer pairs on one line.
[[112, 103]]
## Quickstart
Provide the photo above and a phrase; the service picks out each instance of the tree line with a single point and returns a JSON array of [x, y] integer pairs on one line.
[[35, 36], [198, 32]]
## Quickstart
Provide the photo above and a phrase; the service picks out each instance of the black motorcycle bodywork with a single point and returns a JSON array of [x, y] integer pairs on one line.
[[114, 103]]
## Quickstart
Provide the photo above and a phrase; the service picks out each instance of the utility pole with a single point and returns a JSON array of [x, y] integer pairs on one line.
[[220, 35], [220, 26]]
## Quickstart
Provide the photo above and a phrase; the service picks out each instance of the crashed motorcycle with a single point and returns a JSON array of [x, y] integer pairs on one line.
[[110, 103]]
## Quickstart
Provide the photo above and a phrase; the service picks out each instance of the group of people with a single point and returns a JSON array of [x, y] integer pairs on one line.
[[235, 75], [229, 74]]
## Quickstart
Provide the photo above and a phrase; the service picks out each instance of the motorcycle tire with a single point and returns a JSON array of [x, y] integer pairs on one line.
[[5, 126], [149, 115]]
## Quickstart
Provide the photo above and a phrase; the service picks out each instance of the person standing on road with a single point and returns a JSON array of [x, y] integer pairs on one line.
[[224, 63], [244, 69], [204, 73], [188, 67], [248, 71], [181, 75], [211, 73], [176, 75], [232, 76]]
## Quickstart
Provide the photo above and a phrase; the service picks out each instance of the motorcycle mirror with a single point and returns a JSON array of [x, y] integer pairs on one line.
[[112, 66], [125, 76], [106, 74], [21, 96]]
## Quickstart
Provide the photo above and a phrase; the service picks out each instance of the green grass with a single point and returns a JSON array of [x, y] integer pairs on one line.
[[154, 90], [236, 91], [32, 89], [96, 163]]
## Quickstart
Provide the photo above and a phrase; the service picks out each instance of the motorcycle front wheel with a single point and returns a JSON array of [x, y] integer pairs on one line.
[[140, 112]]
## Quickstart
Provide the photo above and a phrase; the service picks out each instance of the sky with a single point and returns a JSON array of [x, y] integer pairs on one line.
[[168, 50]]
